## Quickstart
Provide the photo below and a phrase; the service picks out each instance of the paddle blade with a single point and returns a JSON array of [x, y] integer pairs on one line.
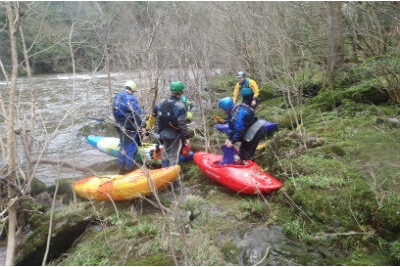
[[229, 155], [219, 119]]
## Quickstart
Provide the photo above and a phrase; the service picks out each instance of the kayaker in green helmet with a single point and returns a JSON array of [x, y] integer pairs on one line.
[[170, 115]]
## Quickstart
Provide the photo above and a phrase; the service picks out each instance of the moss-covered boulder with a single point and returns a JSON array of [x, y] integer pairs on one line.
[[65, 230], [370, 91]]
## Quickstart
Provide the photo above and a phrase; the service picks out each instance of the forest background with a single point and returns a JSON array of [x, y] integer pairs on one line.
[[295, 50]]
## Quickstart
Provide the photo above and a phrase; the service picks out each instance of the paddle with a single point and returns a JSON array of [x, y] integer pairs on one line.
[[95, 119], [219, 119], [229, 155]]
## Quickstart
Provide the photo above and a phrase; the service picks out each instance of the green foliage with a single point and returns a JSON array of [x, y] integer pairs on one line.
[[143, 229], [387, 220], [296, 228], [223, 84], [192, 202], [255, 208], [395, 252], [267, 92]]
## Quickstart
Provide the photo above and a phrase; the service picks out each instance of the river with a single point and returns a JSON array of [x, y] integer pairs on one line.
[[63, 105]]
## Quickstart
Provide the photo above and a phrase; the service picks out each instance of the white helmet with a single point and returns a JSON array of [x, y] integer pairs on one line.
[[131, 85]]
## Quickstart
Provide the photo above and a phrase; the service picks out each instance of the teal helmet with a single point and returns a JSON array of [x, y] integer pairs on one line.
[[177, 87], [226, 103]]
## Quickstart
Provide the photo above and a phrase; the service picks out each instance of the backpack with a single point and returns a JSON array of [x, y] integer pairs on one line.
[[251, 117], [124, 116], [167, 122]]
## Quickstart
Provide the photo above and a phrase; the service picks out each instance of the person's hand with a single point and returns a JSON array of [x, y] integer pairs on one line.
[[253, 103], [228, 143]]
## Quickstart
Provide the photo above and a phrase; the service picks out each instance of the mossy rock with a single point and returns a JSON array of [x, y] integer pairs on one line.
[[326, 100], [64, 232], [161, 259], [65, 190], [329, 205], [37, 187], [387, 218], [367, 92]]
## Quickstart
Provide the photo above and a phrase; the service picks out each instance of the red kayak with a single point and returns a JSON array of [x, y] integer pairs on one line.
[[247, 178]]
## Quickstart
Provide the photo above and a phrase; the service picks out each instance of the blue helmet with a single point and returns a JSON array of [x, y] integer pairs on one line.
[[226, 103]]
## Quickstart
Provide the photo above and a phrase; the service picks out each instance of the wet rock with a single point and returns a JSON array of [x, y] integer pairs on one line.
[[262, 245], [65, 231]]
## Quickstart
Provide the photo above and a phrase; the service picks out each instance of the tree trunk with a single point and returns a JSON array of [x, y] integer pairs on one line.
[[12, 219], [335, 39]]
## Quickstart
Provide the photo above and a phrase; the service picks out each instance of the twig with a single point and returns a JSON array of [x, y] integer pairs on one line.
[[294, 204], [50, 225], [334, 235], [63, 164], [263, 258]]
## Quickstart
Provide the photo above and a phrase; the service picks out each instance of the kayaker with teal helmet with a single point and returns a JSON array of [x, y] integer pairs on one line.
[[170, 115], [239, 118], [127, 113], [247, 88]]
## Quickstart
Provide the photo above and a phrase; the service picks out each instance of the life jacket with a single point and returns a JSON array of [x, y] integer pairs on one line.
[[245, 89], [125, 115], [250, 118], [167, 121]]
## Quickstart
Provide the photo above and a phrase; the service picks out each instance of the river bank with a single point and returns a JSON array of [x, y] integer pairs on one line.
[[325, 214]]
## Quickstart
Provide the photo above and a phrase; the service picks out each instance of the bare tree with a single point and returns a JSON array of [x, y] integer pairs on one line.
[[335, 57], [13, 20]]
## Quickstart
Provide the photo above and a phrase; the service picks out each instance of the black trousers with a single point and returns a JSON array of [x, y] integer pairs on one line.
[[247, 150]]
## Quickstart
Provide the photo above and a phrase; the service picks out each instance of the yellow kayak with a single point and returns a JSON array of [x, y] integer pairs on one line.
[[140, 182]]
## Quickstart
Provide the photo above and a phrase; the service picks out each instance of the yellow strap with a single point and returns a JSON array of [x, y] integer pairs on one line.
[[150, 122]]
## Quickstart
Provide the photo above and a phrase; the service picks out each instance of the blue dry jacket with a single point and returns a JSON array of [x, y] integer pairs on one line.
[[126, 110], [239, 120]]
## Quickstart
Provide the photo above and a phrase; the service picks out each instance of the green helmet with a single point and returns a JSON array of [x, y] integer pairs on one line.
[[177, 87]]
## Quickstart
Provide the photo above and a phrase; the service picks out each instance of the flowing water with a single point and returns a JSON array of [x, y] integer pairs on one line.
[[64, 104]]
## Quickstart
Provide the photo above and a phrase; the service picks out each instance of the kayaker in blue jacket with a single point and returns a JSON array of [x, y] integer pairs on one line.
[[127, 113], [240, 119]]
